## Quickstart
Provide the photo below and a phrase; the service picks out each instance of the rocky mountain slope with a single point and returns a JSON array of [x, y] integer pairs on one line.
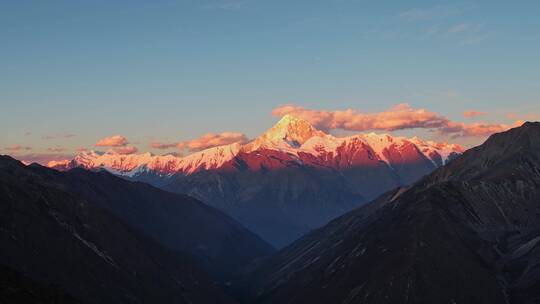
[[468, 233]]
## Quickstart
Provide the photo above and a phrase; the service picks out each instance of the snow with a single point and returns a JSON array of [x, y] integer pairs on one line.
[[134, 164], [444, 149], [57, 163], [290, 135], [95, 249], [287, 135], [211, 158]]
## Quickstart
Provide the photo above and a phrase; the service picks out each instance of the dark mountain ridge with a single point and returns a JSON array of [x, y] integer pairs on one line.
[[467, 233], [178, 222], [51, 237]]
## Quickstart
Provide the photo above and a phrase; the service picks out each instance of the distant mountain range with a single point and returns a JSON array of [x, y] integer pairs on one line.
[[289, 180], [467, 233], [97, 238]]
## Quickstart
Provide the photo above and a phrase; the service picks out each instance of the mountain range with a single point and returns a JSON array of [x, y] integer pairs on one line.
[[467, 233], [291, 179], [97, 238]]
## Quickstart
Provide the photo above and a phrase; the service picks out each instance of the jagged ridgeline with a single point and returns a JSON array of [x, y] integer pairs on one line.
[[291, 179], [467, 233]]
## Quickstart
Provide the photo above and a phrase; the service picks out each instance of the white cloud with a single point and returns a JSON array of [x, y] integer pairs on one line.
[[458, 28]]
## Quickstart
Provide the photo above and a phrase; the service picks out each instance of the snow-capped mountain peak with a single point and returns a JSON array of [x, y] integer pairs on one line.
[[288, 132], [293, 130], [293, 138]]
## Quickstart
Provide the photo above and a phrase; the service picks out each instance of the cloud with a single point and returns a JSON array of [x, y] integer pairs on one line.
[[528, 116], [163, 146], [439, 22], [112, 141], [47, 137], [213, 140], [470, 34], [27, 133], [56, 149], [435, 12], [476, 39], [17, 148], [227, 5], [399, 117], [125, 150], [458, 28], [414, 14], [472, 113], [478, 129], [452, 94]]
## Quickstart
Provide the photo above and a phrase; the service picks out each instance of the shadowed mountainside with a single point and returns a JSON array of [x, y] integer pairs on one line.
[[468, 233], [176, 221], [51, 236]]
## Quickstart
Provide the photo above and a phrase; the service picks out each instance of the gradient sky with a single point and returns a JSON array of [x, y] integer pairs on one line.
[[73, 72]]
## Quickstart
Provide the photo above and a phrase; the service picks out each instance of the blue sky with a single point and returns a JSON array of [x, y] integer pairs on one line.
[[175, 70]]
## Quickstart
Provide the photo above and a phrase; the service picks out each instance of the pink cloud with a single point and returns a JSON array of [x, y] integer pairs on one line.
[[17, 148], [112, 141], [528, 116], [47, 137], [163, 146], [399, 117], [213, 140], [56, 149], [472, 113], [124, 150], [512, 115], [480, 129]]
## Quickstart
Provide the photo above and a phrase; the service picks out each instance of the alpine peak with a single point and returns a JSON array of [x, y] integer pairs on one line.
[[289, 131], [289, 137]]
